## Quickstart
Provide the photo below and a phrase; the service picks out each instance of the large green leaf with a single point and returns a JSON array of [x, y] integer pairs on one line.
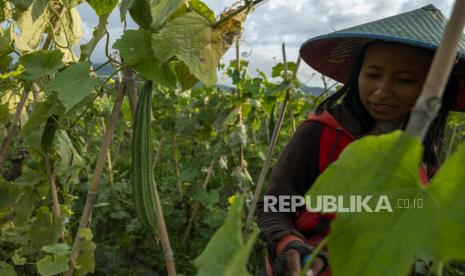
[[162, 11], [102, 7], [25, 206], [41, 63], [135, 48], [386, 243], [226, 253], [49, 265], [192, 40], [73, 84]]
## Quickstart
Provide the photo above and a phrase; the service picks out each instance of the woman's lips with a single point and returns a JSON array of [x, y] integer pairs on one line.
[[381, 108]]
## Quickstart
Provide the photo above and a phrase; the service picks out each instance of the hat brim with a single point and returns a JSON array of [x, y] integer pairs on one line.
[[335, 54]]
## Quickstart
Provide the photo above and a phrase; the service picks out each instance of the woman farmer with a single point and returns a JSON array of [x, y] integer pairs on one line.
[[383, 65]]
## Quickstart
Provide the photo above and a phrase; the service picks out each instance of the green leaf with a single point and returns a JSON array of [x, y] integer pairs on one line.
[[6, 44], [140, 12], [21, 4], [33, 130], [9, 193], [52, 266], [388, 166], [278, 70], [102, 7], [227, 258], [185, 78], [73, 84], [25, 206], [86, 258], [38, 8], [192, 40], [197, 54], [41, 63], [205, 198], [135, 48], [43, 230], [56, 248], [202, 9], [4, 113], [162, 11], [18, 259], [29, 178], [6, 269]]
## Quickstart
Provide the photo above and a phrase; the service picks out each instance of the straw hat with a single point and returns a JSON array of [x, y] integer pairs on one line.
[[334, 54]]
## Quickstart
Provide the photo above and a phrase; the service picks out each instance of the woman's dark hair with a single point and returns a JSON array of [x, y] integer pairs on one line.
[[348, 96]]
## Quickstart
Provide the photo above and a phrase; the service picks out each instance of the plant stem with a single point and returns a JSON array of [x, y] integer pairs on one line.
[[131, 92], [239, 94], [54, 194], [12, 128], [92, 193], [452, 138]]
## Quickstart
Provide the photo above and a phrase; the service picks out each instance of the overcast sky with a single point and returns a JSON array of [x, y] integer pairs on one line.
[[281, 21]]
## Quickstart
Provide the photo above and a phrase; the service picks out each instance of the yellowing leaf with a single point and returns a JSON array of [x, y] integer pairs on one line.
[[31, 31], [192, 40]]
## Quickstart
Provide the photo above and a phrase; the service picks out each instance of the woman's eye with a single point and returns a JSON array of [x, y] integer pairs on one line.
[[372, 75], [407, 81]]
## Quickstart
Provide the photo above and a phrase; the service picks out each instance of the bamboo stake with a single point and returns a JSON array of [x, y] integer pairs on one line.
[[269, 153], [12, 128], [92, 193], [176, 163], [429, 102], [286, 77], [239, 94], [109, 164], [165, 241]]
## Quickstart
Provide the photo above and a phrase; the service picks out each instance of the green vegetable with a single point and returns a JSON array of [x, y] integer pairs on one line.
[[142, 175]]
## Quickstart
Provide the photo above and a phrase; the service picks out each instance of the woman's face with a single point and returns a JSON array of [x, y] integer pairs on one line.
[[391, 79]]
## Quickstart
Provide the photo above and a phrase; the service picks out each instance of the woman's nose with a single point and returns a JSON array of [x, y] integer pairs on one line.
[[385, 87]]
